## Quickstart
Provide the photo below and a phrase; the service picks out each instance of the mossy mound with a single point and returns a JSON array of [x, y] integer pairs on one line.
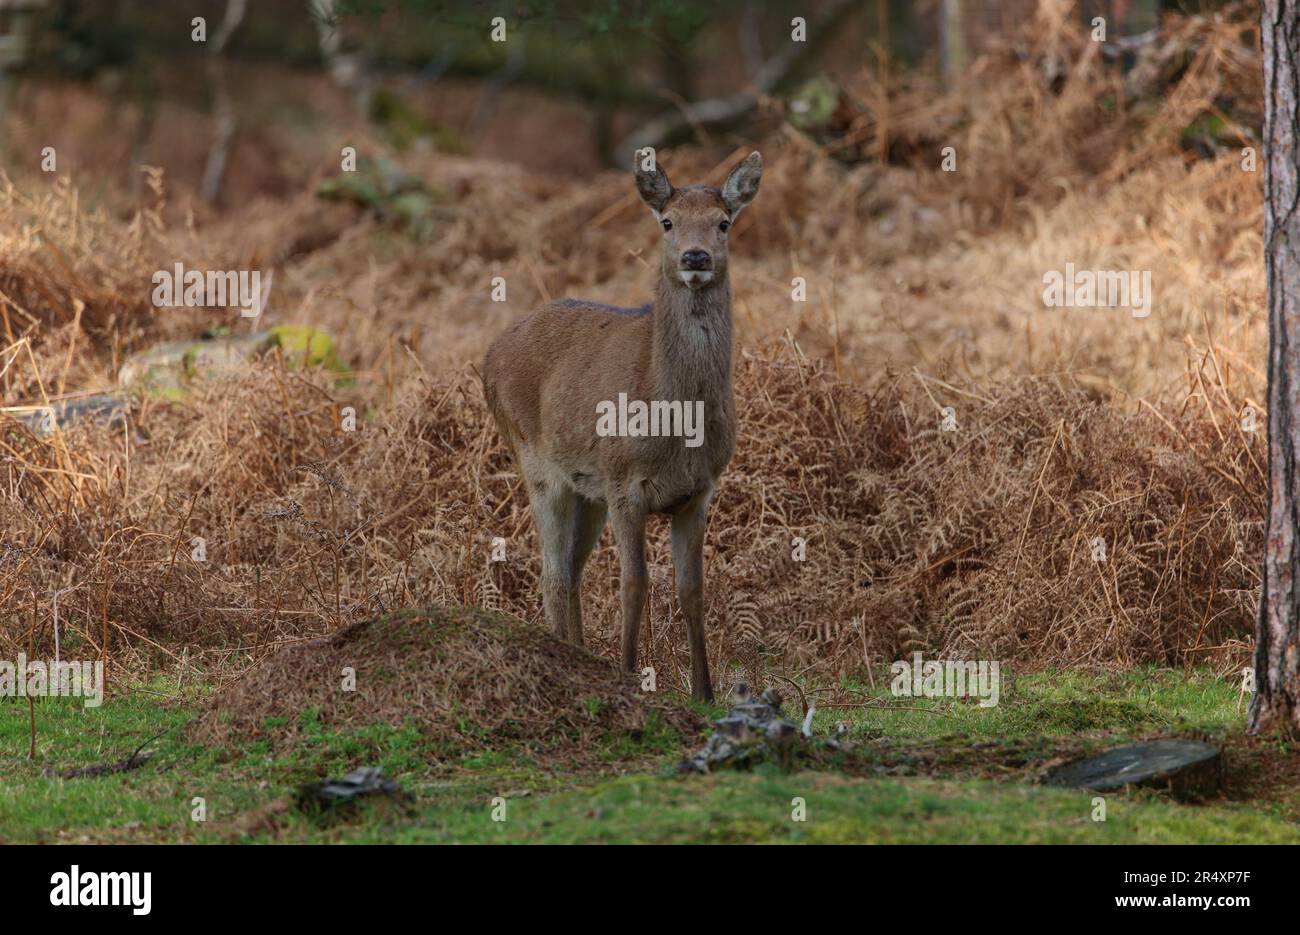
[[468, 677]]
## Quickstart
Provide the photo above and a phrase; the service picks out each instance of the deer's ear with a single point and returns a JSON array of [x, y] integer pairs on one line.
[[651, 181], [742, 184]]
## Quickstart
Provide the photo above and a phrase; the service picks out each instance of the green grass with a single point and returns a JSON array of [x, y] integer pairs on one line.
[[248, 790], [1052, 704], [759, 807]]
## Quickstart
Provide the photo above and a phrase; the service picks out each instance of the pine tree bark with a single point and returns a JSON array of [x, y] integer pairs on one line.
[[1276, 704]]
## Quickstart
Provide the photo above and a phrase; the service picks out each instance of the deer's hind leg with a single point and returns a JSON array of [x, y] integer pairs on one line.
[[556, 512]]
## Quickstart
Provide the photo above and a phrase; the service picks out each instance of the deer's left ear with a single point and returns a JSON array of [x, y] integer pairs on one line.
[[742, 184]]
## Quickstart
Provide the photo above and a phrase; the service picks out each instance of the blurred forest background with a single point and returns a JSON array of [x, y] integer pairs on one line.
[[566, 92]]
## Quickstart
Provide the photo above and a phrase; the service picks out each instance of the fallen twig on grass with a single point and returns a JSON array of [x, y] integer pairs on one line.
[[138, 758]]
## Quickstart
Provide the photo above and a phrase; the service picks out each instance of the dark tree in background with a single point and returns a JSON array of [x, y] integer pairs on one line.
[[1276, 705]]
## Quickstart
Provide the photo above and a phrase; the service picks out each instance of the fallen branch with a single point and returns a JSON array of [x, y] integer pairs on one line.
[[720, 111], [138, 758]]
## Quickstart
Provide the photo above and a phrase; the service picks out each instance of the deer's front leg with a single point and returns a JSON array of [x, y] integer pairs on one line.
[[628, 517], [688, 562]]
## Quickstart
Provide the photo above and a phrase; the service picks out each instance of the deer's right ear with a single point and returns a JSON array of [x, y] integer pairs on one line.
[[651, 181]]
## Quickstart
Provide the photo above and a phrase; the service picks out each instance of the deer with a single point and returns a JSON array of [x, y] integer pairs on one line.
[[551, 378]]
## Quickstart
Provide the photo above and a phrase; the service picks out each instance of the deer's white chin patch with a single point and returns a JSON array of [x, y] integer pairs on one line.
[[696, 277]]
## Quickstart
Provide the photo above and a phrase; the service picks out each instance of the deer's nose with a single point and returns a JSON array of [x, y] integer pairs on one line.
[[696, 259]]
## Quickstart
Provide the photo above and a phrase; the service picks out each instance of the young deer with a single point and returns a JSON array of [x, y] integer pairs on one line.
[[549, 377]]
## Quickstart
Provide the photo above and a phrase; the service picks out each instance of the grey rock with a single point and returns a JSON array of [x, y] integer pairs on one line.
[[367, 781], [1186, 769]]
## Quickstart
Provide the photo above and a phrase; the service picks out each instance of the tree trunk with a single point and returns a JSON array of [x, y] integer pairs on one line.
[[1276, 705], [227, 118], [952, 35], [346, 66]]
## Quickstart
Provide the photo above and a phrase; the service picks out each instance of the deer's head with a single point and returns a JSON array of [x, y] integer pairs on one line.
[[695, 219]]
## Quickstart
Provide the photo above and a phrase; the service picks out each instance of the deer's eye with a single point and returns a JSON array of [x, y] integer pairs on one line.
[[667, 224], [724, 226]]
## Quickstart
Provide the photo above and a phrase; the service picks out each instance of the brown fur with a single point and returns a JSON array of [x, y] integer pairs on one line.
[[546, 376]]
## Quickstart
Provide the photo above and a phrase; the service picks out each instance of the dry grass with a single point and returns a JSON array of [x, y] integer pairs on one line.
[[923, 293], [978, 540]]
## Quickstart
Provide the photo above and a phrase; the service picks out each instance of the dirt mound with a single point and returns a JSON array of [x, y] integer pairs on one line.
[[469, 677]]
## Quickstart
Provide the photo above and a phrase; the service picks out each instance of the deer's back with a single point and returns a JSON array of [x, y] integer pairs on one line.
[[544, 376]]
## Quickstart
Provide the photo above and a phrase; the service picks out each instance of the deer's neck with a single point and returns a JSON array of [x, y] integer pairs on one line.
[[691, 353]]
